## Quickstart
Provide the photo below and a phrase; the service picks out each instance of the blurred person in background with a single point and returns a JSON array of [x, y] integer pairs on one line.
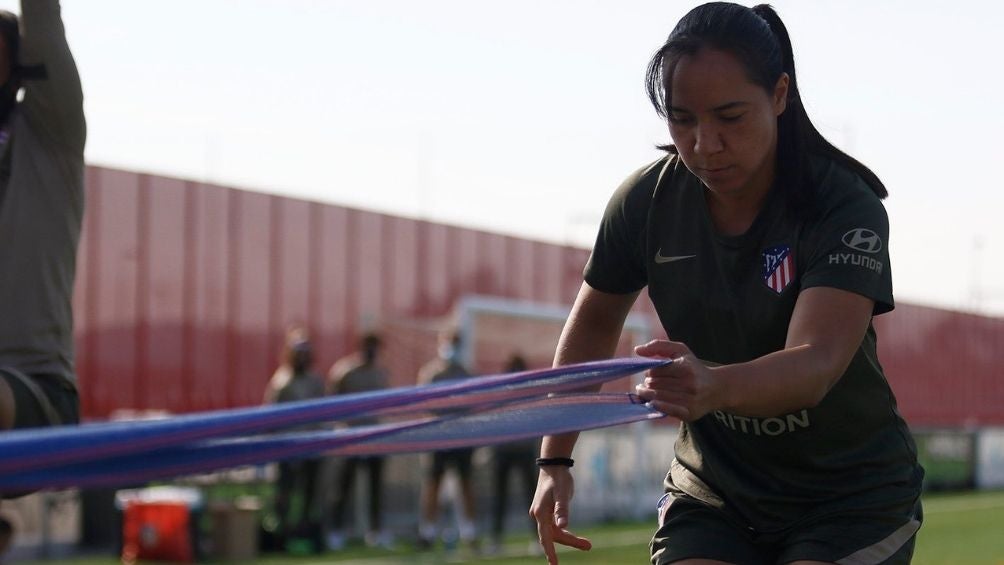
[[765, 252], [518, 457], [446, 366], [361, 371], [41, 209], [294, 382]]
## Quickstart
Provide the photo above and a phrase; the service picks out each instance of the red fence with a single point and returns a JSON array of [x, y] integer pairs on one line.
[[946, 367], [184, 289]]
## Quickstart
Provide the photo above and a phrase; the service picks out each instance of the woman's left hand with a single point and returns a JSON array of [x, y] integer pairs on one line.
[[685, 389]]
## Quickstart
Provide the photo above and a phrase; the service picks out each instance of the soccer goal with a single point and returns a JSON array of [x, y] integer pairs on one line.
[[495, 328], [618, 470]]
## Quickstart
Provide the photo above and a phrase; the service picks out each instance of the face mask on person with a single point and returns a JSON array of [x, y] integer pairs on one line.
[[447, 352], [301, 356]]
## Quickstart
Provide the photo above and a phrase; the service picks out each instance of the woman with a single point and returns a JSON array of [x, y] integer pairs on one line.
[[764, 250]]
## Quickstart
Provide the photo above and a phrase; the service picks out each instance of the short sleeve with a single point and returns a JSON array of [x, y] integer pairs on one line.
[[848, 248], [617, 264]]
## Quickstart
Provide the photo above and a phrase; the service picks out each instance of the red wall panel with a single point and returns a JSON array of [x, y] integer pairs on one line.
[[946, 368], [160, 349], [492, 272], [332, 319], [435, 268], [292, 263], [402, 251], [521, 268], [465, 265], [85, 301], [210, 231], [254, 350], [112, 384], [366, 264], [574, 262], [548, 273]]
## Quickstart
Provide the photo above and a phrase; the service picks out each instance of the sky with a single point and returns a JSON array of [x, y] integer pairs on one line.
[[522, 117]]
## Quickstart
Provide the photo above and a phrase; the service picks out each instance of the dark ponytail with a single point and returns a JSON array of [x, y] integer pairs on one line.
[[798, 130], [758, 38]]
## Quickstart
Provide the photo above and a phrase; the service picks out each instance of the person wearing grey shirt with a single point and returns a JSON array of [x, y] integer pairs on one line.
[[359, 372], [447, 366], [298, 478], [41, 208]]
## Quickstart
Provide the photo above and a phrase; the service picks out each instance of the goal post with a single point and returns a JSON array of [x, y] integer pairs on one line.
[[495, 328], [616, 464]]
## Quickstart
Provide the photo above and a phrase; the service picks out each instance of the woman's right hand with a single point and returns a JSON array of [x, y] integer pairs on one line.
[[555, 487]]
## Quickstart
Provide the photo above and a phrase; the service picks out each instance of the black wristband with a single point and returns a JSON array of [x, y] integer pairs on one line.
[[563, 461]]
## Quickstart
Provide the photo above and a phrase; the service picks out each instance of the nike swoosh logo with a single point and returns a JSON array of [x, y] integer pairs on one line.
[[661, 259]]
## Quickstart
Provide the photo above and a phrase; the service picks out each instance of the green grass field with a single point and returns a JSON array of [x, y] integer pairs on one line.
[[959, 529]]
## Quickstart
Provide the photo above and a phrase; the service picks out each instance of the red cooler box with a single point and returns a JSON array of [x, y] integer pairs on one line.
[[157, 525]]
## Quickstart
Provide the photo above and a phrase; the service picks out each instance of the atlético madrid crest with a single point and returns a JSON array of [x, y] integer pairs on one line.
[[778, 267]]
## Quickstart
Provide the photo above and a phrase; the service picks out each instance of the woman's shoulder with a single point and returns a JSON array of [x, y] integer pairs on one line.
[[646, 176], [840, 186], [846, 205], [640, 186]]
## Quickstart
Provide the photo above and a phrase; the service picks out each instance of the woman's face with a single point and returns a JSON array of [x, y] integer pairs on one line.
[[723, 125]]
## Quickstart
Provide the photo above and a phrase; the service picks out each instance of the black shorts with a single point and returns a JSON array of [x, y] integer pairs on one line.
[[459, 459], [29, 413], [690, 529], [60, 396]]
